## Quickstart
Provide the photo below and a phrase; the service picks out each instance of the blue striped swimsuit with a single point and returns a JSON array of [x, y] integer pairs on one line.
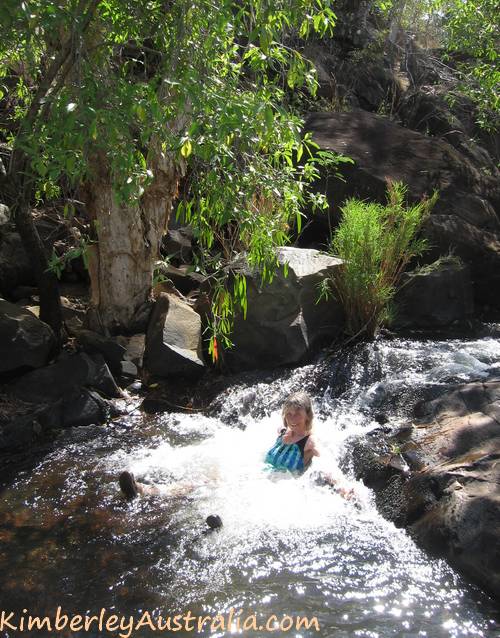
[[287, 456]]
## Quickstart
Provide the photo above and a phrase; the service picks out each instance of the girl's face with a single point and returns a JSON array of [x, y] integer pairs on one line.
[[296, 419]]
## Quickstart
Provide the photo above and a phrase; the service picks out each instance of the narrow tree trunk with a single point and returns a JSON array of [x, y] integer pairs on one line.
[[48, 286], [19, 192], [122, 262]]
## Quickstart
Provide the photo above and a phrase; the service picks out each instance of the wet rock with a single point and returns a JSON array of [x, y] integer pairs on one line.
[[450, 500], [247, 402], [284, 323], [375, 395], [68, 374], [25, 341], [79, 408], [135, 387], [214, 521], [173, 340], [435, 296]]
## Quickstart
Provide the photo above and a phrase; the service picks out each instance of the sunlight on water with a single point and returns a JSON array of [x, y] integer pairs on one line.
[[288, 545]]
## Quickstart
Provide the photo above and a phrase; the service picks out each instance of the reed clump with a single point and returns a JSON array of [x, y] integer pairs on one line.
[[376, 242]]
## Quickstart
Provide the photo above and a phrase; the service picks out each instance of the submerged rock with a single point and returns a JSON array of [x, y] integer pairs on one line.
[[214, 521]]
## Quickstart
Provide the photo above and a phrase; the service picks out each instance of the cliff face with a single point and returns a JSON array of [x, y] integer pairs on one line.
[[385, 102]]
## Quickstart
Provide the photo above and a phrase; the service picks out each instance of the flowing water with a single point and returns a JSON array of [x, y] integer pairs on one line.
[[288, 545]]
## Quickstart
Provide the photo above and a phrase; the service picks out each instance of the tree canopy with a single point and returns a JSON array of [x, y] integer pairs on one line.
[[107, 86]]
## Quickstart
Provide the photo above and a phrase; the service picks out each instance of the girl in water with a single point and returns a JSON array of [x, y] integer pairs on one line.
[[295, 447], [293, 450]]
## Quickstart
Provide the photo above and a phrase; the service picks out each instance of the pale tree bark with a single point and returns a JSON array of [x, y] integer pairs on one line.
[[121, 264]]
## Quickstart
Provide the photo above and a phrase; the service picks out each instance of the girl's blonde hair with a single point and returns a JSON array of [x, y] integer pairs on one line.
[[299, 400]]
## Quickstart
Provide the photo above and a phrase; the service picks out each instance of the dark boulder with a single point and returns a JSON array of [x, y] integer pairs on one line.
[[285, 322], [25, 341], [434, 296], [64, 377], [80, 407], [94, 343]]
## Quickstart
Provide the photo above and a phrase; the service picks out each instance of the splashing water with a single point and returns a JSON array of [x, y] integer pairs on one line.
[[288, 545]]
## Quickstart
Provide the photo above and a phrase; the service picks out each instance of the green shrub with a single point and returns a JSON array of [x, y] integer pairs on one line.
[[375, 242]]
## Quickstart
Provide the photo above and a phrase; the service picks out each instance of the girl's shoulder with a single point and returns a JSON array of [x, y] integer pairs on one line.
[[311, 443]]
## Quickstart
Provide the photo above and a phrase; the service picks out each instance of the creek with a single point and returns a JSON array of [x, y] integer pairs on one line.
[[288, 545]]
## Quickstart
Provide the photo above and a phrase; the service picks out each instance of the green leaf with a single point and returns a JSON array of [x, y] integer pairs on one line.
[[186, 149]]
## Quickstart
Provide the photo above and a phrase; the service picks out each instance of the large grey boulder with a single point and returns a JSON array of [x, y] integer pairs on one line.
[[173, 340], [25, 341], [285, 322]]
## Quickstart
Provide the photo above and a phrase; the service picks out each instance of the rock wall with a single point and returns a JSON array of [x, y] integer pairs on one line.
[[465, 220], [441, 478]]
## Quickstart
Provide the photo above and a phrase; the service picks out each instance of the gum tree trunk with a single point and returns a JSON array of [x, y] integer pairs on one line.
[[121, 263]]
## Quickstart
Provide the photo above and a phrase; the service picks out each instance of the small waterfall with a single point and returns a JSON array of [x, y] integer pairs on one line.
[[288, 545]]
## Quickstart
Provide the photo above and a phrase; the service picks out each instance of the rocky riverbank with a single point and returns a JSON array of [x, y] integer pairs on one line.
[[439, 476]]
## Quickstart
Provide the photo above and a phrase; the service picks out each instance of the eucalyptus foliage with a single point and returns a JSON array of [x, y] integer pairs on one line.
[[470, 31], [97, 85]]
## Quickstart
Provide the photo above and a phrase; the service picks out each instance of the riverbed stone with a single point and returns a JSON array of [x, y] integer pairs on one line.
[[173, 341], [25, 341], [285, 322]]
